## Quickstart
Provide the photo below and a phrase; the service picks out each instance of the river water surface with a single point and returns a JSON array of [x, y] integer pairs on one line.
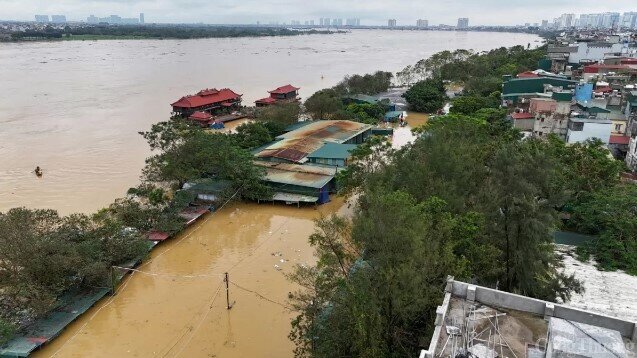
[[74, 107]]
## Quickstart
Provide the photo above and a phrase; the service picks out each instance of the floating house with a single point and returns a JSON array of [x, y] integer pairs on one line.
[[283, 94], [208, 100]]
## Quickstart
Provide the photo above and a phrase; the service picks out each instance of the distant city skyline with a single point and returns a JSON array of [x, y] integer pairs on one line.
[[369, 12]]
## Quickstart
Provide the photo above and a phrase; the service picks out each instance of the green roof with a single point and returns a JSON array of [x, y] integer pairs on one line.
[[565, 96], [591, 108], [534, 85], [334, 151]]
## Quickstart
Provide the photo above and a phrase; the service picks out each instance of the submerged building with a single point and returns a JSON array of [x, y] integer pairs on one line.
[[301, 164], [208, 100], [283, 94]]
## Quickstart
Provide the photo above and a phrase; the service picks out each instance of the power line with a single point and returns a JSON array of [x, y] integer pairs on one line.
[[214, 297], [262, 296], [167, 275], [259, 246]]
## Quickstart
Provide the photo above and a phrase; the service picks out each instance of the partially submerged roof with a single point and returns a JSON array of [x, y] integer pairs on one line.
[[333, 151], [200, 116], [266, 100], [293, 174], [296, 145]]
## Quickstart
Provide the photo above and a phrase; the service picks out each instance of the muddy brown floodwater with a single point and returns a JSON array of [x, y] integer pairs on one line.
[[74, 107], [166, 312]]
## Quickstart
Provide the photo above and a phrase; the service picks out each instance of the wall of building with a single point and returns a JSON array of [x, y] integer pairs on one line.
[[591, 130], [594, 53]]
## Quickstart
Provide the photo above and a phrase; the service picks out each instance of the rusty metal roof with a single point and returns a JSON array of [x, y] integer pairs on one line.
[[295, 174], [296, 145]]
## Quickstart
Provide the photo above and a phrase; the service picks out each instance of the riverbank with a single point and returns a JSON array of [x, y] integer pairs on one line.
[[150, 32]]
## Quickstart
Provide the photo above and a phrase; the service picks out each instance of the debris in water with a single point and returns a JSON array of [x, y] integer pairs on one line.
[[277, 267]]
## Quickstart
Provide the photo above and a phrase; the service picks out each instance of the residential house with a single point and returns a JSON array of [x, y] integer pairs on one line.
[[589, 121], [551, 114]]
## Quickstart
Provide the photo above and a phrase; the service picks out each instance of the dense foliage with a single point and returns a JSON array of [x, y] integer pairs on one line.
[[479, 73], [156, 32], [369, 84], [187, 152], [468, 199], [43, 255], [426, 96], [611, 214]]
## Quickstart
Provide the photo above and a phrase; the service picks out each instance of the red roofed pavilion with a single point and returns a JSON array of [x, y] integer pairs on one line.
[[287, 93], [203, 118], [207, 100]]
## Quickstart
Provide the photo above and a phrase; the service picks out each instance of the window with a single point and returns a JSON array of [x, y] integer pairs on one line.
[[576, 126], [618, 127]]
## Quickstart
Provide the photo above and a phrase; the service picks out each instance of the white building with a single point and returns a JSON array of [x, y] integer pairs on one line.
[[463, 23], [595, 51], [629, 20], [422, 23], [582, 129], [58, 19], [42, 18], [391, 23]]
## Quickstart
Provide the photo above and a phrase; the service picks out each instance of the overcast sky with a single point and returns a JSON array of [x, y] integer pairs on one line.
[[371, 12]]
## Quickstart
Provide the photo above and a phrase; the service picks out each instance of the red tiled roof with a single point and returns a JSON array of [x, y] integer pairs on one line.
[[619, 139], [604, 89], [525, 115], [528, 74], [207, 97], [284, 89], [596, 67], [629, 61], [266, 100], [157, 236], [200, 116]]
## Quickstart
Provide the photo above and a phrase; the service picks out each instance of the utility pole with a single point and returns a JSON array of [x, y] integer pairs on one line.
[[227, 280]]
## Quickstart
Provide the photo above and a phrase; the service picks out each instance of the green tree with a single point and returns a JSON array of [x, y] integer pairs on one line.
[[283, 114], [253, 135], [611, 214], [468, 105], [189, 153], [322, 104], [426, 96]]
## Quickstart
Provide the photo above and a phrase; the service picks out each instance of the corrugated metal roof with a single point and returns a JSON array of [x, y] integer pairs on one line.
[[334, 151], [293, 174], [296, 145]]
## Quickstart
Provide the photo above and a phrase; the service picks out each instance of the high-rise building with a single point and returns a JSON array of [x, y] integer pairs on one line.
[[391, 23], [311, 22], [610, 20], [629, 20], [42, 18], [58, 19], [463, 23], [565, 21], [422, 23], [141, 18], [545, 24], [353, 22], [92, 19]]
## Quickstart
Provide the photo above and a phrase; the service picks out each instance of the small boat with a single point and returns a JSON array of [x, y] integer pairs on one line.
[[38, 171]]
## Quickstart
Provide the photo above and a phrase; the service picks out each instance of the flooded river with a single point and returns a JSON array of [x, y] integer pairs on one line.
[[74, 107], [177, 306]]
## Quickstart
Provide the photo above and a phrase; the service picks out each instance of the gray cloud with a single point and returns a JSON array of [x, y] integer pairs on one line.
[[370, 12]]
